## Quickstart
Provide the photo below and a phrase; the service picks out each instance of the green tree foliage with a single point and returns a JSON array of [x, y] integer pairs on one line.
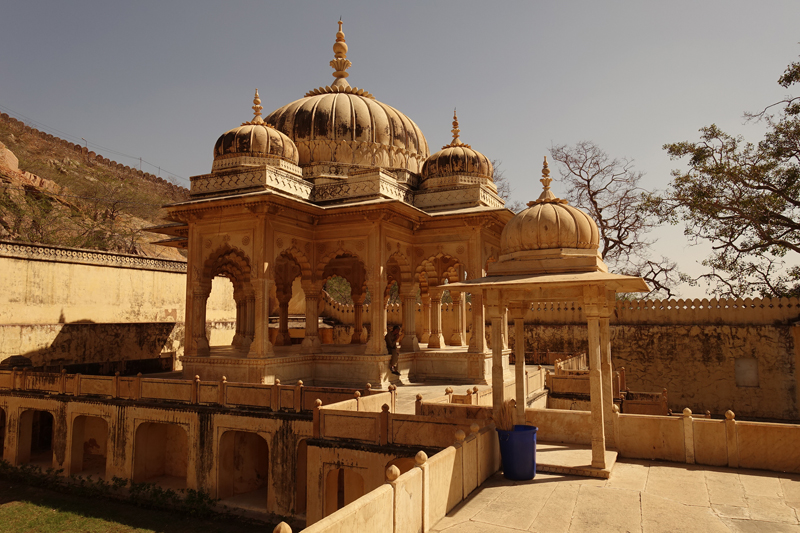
[[745, 199], [608, 190]]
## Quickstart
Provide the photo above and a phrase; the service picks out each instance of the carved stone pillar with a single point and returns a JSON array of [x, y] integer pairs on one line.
[[261, 346], [376, 344], [457, 338], [358, 319], [199, 301], [596, 390], [283, 338], [249, 322], [239, 334], [505, 329], [477, 341], [409, 342], [426, 318], [436, 340], [498, 389], [311, 342], [607, 373]]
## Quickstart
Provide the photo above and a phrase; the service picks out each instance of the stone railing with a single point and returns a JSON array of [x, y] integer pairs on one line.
[[60, 254], [345, 313], [645, 403], [576, 364], [275, 397], [351, 420], [675, 311], [420, 498]]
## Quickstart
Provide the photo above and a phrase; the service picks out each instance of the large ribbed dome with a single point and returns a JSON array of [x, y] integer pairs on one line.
[[251, 141], [549, 223], [364, 131], [457, 158], [342, 124]]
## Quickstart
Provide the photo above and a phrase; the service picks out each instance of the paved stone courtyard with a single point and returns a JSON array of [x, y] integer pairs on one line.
[[641, 496]]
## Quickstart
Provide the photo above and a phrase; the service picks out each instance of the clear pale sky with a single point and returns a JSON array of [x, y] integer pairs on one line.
[[162, 80]]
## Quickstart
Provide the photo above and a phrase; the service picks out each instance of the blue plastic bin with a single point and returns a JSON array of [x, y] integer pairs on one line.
[[518, 452]]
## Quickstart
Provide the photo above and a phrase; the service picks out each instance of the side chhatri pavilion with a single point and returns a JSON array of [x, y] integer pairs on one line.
[[549, 252], [335, 184]]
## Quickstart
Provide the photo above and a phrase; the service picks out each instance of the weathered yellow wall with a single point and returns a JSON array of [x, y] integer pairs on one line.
[[63, 304]]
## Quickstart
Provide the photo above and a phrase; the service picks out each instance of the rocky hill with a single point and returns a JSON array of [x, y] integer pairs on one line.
[[59, 193]]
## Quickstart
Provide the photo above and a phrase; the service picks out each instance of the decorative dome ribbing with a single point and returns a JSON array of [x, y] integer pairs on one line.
[[342, 124], [457, 158], [549, 223], [255, 139]]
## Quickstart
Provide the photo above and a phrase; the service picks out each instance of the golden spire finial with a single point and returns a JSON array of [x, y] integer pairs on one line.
[[340, 62], [455, 130], [547, 195], [456, 139], [257, 107]]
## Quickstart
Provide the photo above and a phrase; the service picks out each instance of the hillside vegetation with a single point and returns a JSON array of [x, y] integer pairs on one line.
[[63, 195]]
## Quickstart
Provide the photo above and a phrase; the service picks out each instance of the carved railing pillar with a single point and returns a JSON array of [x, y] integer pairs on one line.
[[436, 340]]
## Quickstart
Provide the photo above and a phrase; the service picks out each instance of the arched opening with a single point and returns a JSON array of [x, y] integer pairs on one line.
[[432, 275], [345, 283], [89, 446], [301, 477], [222, 334], [36, 438], [243, 470], [404, 464], [233, 264], [342, 486], [160, 455], [291, 301]]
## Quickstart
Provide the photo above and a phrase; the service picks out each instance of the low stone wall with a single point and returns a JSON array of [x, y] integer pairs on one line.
[[85, 306]]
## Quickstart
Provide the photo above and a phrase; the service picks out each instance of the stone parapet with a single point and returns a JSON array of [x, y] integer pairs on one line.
[[60, 254]]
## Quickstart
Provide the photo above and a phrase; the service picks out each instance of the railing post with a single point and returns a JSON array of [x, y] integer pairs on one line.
[[195, 390], [732, 441], [298, 396], [77, 390], [688, 435], [421, 462], [357, 396], [317, 424], [383, 434], [276, 394], [368, 389], [283, 527], [223, 384], [393, 394], [449, 393]]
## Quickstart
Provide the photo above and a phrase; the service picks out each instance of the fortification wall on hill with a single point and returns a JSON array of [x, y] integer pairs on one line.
[[176, 192]]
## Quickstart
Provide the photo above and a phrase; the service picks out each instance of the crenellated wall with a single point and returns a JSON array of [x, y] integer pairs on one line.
[[123, 171]]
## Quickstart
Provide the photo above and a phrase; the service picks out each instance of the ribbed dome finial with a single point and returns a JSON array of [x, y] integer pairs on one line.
[[340, 64], [547, 195], [257, 107], [455, 130]]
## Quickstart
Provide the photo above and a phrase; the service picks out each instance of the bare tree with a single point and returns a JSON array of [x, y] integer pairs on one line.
[[504, 189], [608, 189]]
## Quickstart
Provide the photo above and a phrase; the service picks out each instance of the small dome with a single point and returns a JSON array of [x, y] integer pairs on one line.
[[549, 223], [457, 158], [254, 139]]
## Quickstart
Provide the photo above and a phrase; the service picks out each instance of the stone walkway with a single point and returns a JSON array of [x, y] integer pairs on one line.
[[640, 496]]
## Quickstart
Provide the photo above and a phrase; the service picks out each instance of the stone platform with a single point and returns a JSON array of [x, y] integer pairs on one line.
[[571, 460], [344, 365]]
